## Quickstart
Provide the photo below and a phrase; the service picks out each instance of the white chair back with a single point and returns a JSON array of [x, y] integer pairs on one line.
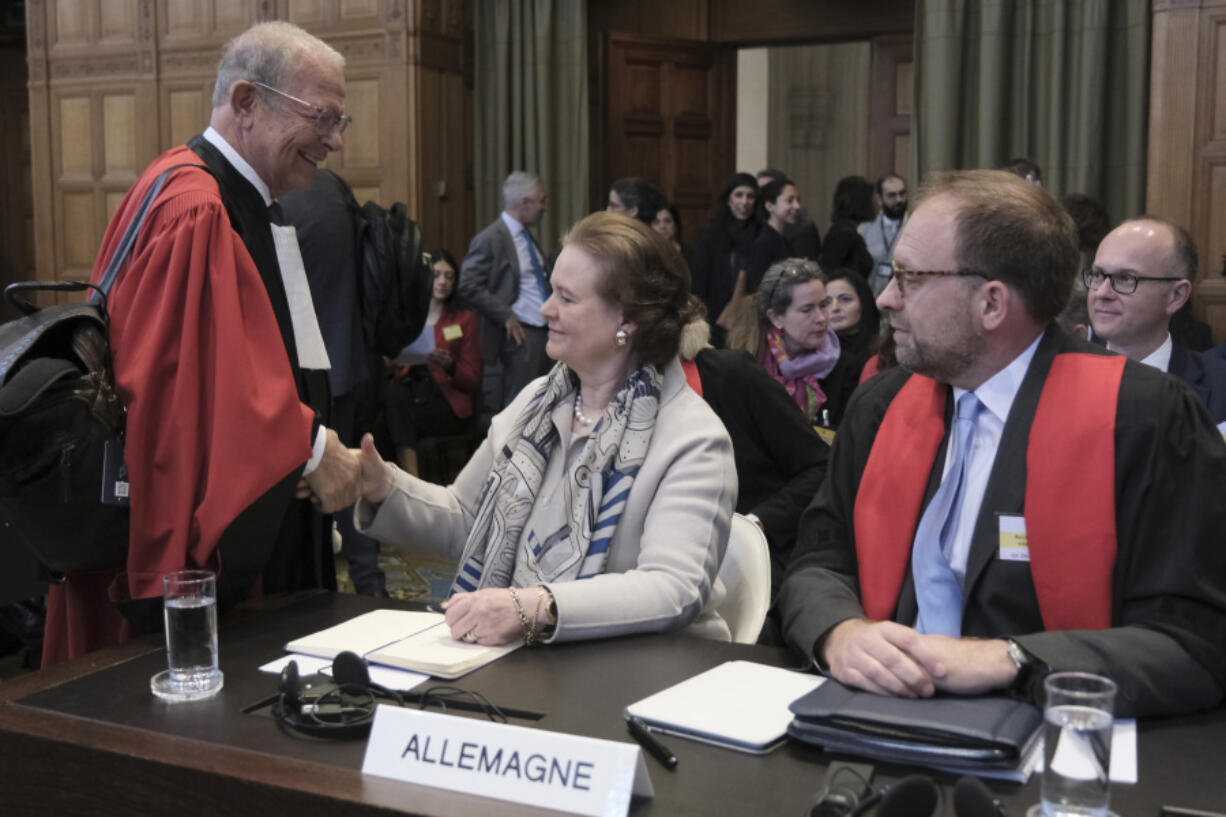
[[746, 576]]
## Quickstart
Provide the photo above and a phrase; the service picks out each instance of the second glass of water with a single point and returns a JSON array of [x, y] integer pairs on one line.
[[190, 605], [1078, 719]]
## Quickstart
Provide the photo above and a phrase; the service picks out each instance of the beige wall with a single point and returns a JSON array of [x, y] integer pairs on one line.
[[113, 83], [752, 108], [818, 118]]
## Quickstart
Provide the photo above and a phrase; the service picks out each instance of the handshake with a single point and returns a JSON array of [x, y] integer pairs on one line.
[[345, 475]]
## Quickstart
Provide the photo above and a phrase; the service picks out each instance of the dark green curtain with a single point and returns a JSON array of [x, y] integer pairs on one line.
[[530, 105], [1062, 82]]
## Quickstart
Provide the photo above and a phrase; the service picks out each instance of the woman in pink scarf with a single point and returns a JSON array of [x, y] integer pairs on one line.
[[788, 330]]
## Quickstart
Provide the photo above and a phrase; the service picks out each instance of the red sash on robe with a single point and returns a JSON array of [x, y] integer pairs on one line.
[[1070, 491], [691, 375]]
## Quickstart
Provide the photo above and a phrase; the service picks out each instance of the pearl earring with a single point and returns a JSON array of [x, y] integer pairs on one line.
[[622, 337]]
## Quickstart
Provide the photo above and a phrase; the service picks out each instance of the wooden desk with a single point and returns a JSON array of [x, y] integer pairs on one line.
[[88, 738]]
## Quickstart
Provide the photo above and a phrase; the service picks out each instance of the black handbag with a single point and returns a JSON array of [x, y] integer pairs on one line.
[[63, 488]]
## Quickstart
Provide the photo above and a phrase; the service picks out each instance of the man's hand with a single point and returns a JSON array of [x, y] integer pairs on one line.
[[377, 477], [334, 484], [882, 657], [973, 665], [489, 615], [515, 330]]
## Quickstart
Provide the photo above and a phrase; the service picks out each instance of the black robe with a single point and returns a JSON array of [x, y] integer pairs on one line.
[[1166, 649]]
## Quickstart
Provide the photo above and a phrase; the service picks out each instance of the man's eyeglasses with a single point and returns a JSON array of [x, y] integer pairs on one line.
[[909, 277], [1125, 283], [326, 120]]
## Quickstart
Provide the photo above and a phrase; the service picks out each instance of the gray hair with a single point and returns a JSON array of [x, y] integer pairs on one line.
[[269, 53], [774, 294], [518, 186]]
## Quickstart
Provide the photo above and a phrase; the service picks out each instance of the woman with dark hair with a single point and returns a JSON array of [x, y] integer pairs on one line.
[[721, 255], [853, 314], [601, 501], [781, 203], [435, 378], [844, 246], [668, 224], [635, 197], [789, 332]]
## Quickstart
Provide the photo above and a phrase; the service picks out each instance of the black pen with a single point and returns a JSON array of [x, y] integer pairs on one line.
[[640, 732]]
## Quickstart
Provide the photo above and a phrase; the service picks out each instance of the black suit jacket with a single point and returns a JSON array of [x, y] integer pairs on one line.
[[1205, 374], [1166, 648]]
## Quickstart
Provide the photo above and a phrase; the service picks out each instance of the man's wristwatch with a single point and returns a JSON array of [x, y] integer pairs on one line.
[[1030, 670]]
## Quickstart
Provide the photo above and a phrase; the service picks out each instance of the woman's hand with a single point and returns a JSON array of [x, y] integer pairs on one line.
[[489, 615], [377, 478], [443, 359]]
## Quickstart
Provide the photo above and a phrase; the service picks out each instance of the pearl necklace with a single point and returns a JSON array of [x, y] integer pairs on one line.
[[579, 415]]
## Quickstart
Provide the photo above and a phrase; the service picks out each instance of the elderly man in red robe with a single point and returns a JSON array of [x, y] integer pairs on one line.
[[218, 356]]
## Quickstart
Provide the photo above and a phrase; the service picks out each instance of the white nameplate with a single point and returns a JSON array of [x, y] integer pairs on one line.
[[532, 766]]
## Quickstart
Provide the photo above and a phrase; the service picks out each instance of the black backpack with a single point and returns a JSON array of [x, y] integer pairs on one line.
[[396, 277], [62, 480]]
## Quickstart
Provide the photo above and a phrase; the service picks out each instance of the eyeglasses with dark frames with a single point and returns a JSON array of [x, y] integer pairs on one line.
[[326, 120], [1125, 283], [904, 277]]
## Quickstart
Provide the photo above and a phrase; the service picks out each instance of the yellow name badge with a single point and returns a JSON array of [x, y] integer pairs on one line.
[[1013, 547], [826, 434], [452, 332]]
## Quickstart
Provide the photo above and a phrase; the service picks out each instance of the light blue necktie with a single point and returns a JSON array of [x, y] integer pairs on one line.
[[537, 269], [937, 590]]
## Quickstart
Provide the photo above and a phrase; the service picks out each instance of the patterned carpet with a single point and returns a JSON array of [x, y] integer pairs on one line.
[[409, 575]]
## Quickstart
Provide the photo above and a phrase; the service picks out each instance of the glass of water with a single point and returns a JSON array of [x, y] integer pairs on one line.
[[190, 604], [1078, 718]]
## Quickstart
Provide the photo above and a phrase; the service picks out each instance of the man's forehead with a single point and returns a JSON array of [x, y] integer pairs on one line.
[[1140, 246], [929, 234], [894, 185]]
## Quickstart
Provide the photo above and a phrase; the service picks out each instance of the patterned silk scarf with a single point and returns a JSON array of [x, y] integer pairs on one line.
[[799, 375], [596, 484]]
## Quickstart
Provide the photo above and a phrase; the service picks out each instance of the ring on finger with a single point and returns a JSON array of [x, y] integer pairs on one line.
[[470, 636]]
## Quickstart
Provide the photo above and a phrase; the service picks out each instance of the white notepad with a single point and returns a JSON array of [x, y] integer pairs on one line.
[[739, 705], [404, 639]]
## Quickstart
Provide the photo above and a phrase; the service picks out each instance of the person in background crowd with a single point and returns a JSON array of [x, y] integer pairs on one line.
[[636, 198], [789, 332], [1024, 168], [225, 386], [601, 501], [898, 584], [781, 201], [437, 378], [1142, 276], [1091, 220], [503, 277], [881, 234], [780, 459], [721, 256], [844, 246], [804, 240], [853, 314], [668, 224]]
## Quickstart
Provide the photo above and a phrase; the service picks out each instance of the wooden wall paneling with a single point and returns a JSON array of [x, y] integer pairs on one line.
[[675, 19], [819, 118], [16, 199], [1172, 111]]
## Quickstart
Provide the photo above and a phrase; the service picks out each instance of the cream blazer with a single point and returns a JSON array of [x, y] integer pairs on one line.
[[668, 545]]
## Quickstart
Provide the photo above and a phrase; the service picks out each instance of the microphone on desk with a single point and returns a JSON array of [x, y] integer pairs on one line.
[[973, 799]]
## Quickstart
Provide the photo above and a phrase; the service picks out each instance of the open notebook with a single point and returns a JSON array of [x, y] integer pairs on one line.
[[738, 705], [405, 639]]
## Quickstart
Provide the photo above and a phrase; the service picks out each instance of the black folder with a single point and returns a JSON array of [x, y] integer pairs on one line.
[[945, 731]]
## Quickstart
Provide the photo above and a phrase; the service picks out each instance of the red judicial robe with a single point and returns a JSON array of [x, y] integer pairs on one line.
[[215, 419]]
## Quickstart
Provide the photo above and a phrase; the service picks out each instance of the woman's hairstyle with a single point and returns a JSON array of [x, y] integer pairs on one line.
[[853, 200], [774, 294], [453, 301], [672, 210], [870, 316], [645, 275], [722, 214], [773, 190], [640, 195]]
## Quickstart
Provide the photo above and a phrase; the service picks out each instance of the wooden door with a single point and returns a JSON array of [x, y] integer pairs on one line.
[[891, 97], [669, 115]]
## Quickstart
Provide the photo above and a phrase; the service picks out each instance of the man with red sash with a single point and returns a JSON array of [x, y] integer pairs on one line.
[[217, 356], [1011, 500]]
